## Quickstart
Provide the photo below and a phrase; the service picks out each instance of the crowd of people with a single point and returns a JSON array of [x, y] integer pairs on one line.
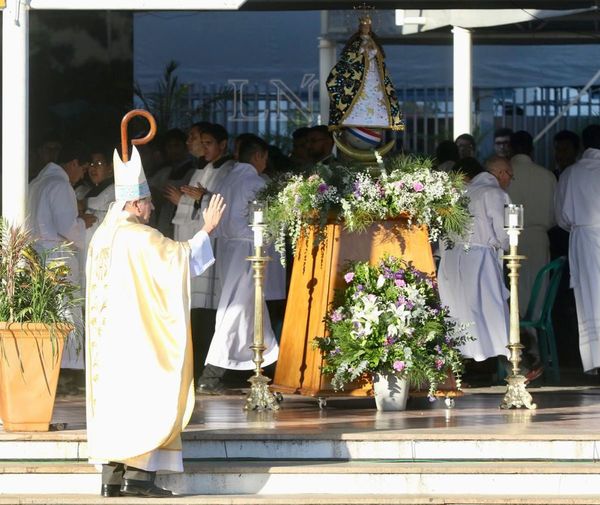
[[158, 244], [73, 186], [72, 192], [555, 200], [92, 209]]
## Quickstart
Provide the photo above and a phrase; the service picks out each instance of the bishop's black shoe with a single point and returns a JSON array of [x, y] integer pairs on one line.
[[145, 488], [110, 490]]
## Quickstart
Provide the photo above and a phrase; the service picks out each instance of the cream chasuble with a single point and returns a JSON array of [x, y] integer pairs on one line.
[[139, 348]]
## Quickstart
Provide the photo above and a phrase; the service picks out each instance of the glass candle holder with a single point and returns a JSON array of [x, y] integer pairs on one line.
[[258, 223], [513, 216]]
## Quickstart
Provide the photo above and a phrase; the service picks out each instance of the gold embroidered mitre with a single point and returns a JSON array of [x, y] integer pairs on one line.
[[130, 179]]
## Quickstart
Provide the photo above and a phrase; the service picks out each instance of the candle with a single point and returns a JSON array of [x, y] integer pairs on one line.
[[258, 236], [258, 217], [513, 220]]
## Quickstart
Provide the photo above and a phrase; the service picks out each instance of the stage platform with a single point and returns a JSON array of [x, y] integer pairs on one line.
[[345, 453]]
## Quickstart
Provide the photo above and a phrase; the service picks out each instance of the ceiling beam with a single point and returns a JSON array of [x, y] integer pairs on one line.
[[286, 5], [136, 5]]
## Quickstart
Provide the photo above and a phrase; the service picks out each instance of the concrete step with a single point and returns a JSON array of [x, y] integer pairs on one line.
[[341, 446], [302, 499], [558, 479]]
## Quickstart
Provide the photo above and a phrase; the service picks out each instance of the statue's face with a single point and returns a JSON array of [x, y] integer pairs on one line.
[[365, 28]]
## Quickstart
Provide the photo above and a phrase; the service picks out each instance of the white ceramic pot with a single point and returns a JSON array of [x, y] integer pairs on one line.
[[391, 392]]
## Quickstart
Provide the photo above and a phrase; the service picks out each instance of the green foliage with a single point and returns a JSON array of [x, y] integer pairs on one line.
[[388, 319], [359, 196], [35, 288], [166, 102]]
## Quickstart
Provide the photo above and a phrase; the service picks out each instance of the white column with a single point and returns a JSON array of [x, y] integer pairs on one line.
[[463, 82], [15, 109], [326, 63]]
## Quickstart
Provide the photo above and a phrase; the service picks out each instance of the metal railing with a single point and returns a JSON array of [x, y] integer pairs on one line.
[[275, 111]]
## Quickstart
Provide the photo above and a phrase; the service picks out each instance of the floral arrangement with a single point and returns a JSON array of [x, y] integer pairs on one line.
[[388, 319], [358, 196]]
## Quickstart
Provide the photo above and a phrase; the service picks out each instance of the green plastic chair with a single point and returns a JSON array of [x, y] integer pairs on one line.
[[543, 324]]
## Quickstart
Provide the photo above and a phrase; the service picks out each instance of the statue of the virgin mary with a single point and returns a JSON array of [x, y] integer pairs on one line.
[[362, 96]]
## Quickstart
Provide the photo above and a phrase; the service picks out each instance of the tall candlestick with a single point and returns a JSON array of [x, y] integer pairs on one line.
[[516, 393]]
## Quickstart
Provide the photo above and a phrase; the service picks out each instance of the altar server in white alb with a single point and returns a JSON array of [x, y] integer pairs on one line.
[[191, 199], [195, 196], [470, 274], [234, 327], [578, 211], [140, 391], [54, 220]]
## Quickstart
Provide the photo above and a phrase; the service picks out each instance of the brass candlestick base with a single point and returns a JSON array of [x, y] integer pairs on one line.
[[516, 394], [259, 398]]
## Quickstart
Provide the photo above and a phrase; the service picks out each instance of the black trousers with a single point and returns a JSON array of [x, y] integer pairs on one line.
[[203, 328], [114, 473]]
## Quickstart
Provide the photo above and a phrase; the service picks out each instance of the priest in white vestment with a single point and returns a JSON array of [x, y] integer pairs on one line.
[[470, 276], [191, 199], [578, 211], [234, 326], [54, 220], [140, 391], [533, 186]]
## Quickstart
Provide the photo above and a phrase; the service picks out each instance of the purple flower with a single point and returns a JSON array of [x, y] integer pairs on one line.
[[399, 365], [335, 351], [389, 340], [322, 188], [409, 304], [439, 363], [400, 283], [348, 277], [360, 287], [417, 186], [336, 316]]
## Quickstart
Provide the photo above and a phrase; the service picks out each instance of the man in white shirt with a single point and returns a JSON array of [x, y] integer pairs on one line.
[[533, 187], [578, 211], [60, 230]]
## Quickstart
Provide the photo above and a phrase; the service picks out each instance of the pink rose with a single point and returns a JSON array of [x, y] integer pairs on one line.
[[348, 277], [417, 186], [398, 365]]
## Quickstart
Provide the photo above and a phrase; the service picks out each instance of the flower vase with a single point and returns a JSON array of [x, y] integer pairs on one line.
[[391, 391]]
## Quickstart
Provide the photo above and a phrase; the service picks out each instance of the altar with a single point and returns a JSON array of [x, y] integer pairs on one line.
[[316, 274]]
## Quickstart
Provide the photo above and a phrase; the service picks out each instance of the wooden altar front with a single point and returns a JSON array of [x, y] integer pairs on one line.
[[317, 272]]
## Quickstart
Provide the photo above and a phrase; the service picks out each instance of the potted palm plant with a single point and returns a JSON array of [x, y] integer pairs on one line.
[[35, 298]]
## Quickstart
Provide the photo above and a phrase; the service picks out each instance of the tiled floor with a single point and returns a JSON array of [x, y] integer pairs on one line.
[[565, 413]]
